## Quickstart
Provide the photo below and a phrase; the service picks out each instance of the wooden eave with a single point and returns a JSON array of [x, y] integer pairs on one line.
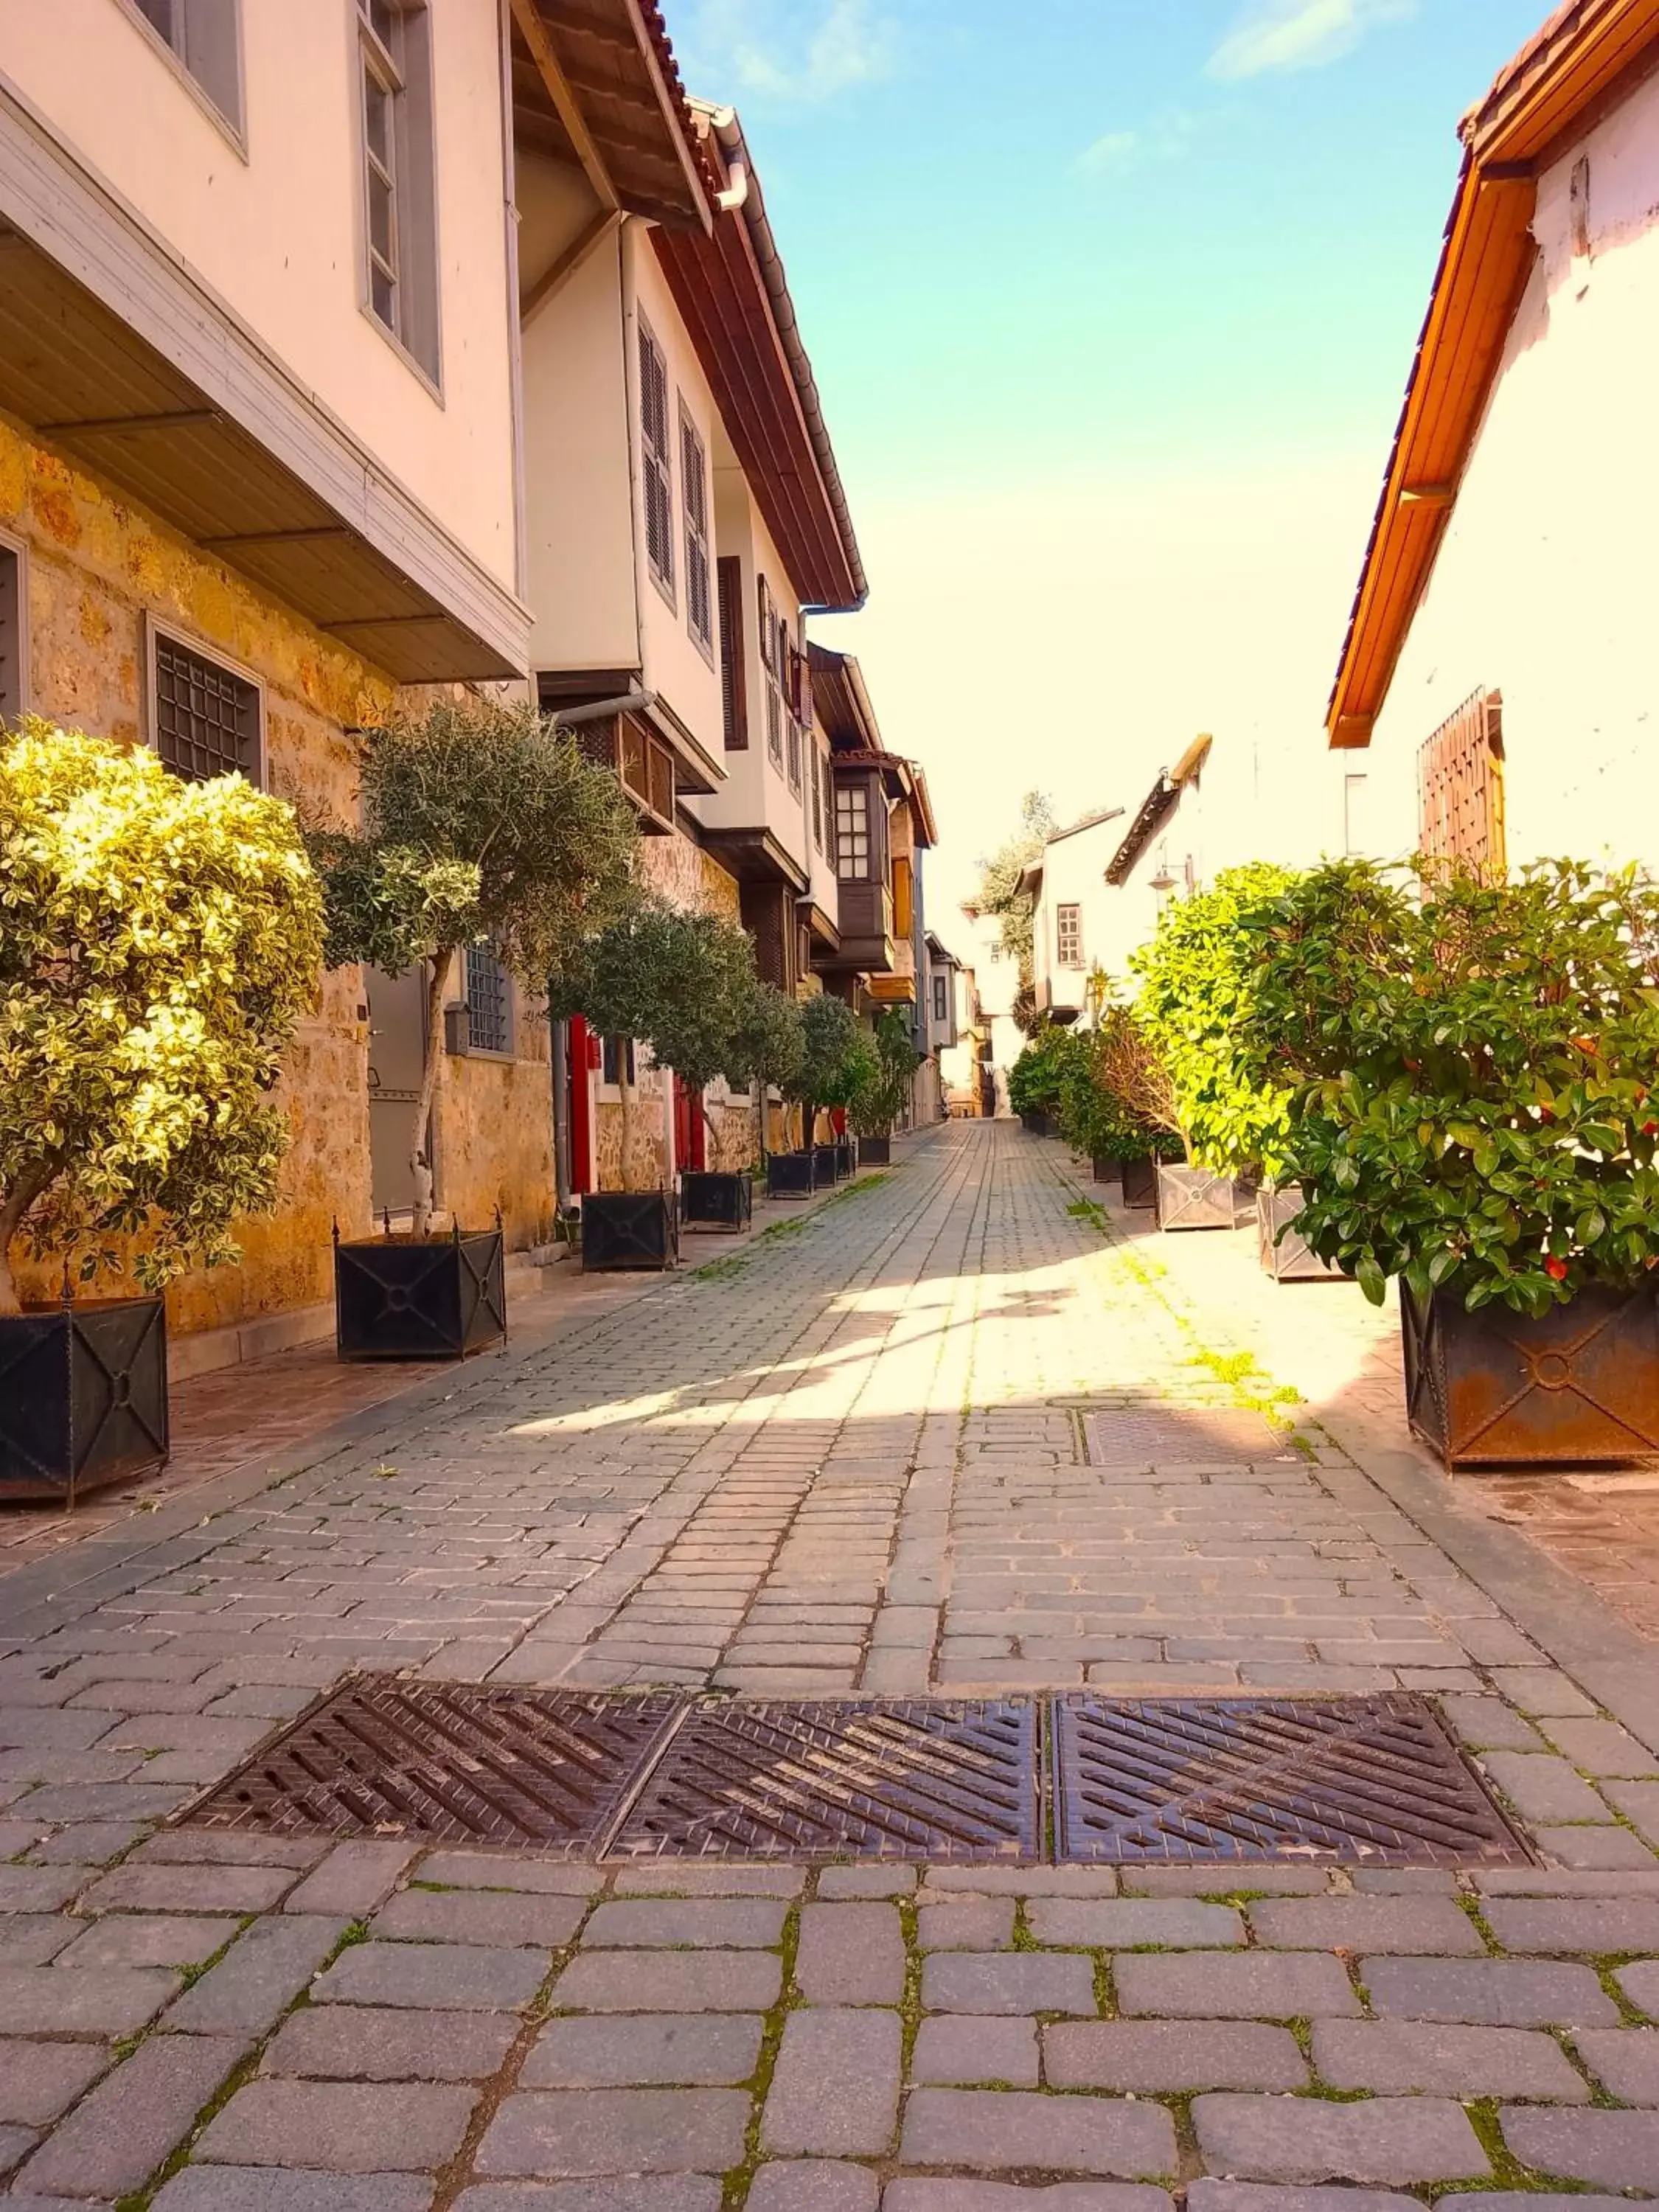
[[1584, 61]]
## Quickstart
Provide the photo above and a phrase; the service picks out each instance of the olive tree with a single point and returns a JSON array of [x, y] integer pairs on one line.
[[158, 941], [480, 823], [767, 1049], [832, 1065]]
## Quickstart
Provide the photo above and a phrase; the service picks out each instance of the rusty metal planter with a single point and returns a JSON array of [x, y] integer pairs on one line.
[[83, 1396], [1579, 1387], [875, 1151], [1195, 1198], [1285, 1255], [791, 1175], [420, 1297], [710, 1200], [1141, 1184], [629, 1230]]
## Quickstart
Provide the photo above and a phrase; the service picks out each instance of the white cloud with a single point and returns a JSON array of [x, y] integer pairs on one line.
[[779, 50], [1295, 34], [1167, 139]]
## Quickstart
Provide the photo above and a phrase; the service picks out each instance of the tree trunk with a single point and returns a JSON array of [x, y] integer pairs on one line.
[[625, 1096], [713, 1145], [15, 1204], [420, 1159]]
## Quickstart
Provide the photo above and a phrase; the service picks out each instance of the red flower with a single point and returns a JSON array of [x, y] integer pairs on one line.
[[1650, 1129], [1555, 1270]]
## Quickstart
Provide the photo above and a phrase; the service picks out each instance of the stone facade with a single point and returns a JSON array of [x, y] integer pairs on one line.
[[494, 1137]]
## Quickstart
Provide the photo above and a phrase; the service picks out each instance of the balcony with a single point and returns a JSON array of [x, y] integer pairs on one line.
[[865, 915]]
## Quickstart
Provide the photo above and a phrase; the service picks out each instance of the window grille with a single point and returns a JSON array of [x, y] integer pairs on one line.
[[488, 1002], [206, 718], [1068, 928], [853, 832], [694, 470], [659, 466]]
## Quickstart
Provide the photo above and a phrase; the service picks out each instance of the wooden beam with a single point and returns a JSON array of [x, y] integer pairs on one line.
[[553, 280], [674, 113], [1427, 494], [534, 32]]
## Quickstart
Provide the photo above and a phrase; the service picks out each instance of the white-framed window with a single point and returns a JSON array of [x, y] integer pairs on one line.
[[657, 467], [399, 184], [772, 636], [13, 629], [694, 480], [853, 832], [206, 717], [488, 1002], [1068, 936], [205, 39]]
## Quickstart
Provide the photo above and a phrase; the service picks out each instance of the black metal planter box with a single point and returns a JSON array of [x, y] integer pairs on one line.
[[1579, 1387], [875, 1151], [1105, 1171], [1141, 1184], [1194, 1198], [1037, 1125], [791, 1175], [630, 1229], [708, 1200], [420, 1297], [843, 1150], [83, 1396], [1285, 1255], [825, 1165]]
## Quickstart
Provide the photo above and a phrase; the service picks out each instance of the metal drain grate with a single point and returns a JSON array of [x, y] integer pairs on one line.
[[1371, 1780], [1137, 1436], [448, 1762], [896, 1780]]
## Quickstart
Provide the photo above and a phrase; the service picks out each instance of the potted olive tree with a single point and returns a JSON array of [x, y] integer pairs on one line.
[[158, 941], [828, 1029], [766, 1051], [1136, 1081], [707, 986], [1092, 1119], [880, 1100], [479, 823], [1473, 1113]]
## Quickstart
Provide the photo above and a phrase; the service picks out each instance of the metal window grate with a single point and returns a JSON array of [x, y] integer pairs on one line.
[[207, 718], [488, 1002]]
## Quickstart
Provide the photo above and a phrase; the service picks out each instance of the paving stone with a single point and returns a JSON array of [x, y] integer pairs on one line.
[[499, 1870], [813, 2185], [1542, 1787], [1595, 1850], [230, 1847], [1491, 1724], [345, 2127], [268, 2189], [557, 2132], [835, 2088], [988, 2130], [954, 2050], [501, 1918], [1126, 1923], [1266, 2196], [30, 1939], [1624, 2060], [1396, 2057], [967, 1923], [1233, 1985], [670, 1981], [162, 1888], [259, 1978], [148, 1939], [1162, 2055], [852, 1954], [1417, 1926], [1386, 2139], [1008, 1982], [1640, 1982], [917, 2196], [1543, 1691], [356, 2042], [644, 2193], [1221, 1880], [638, 2051], [109, 2001], [1592, 1926], [436, 1976], [722, 1878], [40, 1889], [1602, 1747], [352, 1880], [1490, 1992], [838, 1883], [39, 2081], [1639, 1802], [1619, 2150], [675, 1924], [117, 2137]]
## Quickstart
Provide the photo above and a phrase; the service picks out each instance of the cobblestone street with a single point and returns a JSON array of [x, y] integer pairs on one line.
[[957, 1431]]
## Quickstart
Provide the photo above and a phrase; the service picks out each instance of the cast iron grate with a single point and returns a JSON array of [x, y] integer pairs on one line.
[[1373, 1780], [449, 1762], [1142, 1435], [923, 1779]]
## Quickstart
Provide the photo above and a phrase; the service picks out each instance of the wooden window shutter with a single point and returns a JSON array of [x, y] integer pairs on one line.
[[734, 693], [659, 467], [1461, 787]]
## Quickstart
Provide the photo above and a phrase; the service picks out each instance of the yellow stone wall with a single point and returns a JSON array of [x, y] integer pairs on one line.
[[494, 1137]]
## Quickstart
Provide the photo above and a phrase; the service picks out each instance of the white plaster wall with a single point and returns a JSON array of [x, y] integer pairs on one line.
[[1545, 588], [275, 235]]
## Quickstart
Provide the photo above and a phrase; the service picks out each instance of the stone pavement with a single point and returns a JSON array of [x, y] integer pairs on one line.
[[944, 1434]]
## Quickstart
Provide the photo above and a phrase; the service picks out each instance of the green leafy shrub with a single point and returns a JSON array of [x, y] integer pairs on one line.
[[767, 1047], [1195, 1006], [158, 941], [835, 1060], [1473, 1068], [1034, 1081], [881, 1098]]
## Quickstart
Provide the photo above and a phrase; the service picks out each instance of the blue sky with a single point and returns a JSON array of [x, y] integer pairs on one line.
[[1111, 304]]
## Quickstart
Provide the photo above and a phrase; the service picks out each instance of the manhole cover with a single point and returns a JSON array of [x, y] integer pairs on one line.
[[448, 1762], [1136, 1435], [1374, 1780], [898, 1780]]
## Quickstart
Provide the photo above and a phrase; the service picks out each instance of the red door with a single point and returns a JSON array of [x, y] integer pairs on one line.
[[579, 1067], [690, 1128]]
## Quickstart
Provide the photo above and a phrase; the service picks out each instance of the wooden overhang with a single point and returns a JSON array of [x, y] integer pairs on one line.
[[842, 709], [1156, 809], [729, 287], [595, 86], [1584, 62], [755, 856]]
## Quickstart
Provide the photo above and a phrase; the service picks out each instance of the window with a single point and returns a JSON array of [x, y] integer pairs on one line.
[[794, 752], [205, 720], [1068, 931], [14, 633], [611, 1055], [659, 468], [903, 897], [734, 694], [488, 1002], [941, 998], [399, 199], [853, 832], [772, 634], [818, 801], [1461, 786], [694, 472], [205, 39]]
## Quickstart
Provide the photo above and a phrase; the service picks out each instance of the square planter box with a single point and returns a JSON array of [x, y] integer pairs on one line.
[[427, 1297], [630, 1230], [1037, 1125], [875, 1151], [1107, 1171], [1141, 1184], [83, 1396], [1194, 1198], [1284, 1256], [708, 1200], [1579, 1387], [843, 1159], [825, 1165], [791, 1175]]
